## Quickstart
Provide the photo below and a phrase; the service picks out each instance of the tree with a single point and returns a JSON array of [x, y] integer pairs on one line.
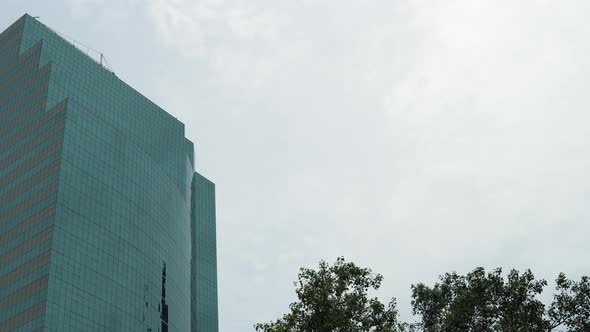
[[334, 298], [486, 302], [571, 305]]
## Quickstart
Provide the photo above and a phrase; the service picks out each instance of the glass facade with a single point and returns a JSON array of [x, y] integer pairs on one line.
[[104, 224], [204, 263]]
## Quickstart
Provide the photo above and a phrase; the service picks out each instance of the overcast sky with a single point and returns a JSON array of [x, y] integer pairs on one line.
[[412, 137]]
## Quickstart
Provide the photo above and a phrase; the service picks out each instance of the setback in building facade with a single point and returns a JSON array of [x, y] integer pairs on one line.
[[104, 223]]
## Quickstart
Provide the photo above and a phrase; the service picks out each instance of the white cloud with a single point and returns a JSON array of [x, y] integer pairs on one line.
[[489, 120], [80, 8], [236, 39]]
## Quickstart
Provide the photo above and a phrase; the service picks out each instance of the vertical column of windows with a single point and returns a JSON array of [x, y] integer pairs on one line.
[[204, 255], [30, 143]]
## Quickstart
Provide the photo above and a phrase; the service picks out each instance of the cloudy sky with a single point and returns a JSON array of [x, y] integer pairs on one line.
[[413, 137]]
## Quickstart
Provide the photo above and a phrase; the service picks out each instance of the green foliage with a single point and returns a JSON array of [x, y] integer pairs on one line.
[[334, 298], [571, 305], [480, 302]]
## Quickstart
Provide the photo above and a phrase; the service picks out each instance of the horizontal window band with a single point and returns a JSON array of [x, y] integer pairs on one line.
[[30, 162], [21, 135], [23, 317], [25, 269], [15, 59], [24, 225], [29, 203], [24, 293], [30, 182], [22, 248], [15, 84], [37, 141]]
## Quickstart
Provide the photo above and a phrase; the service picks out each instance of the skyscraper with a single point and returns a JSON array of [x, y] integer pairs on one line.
[[104, 223]]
